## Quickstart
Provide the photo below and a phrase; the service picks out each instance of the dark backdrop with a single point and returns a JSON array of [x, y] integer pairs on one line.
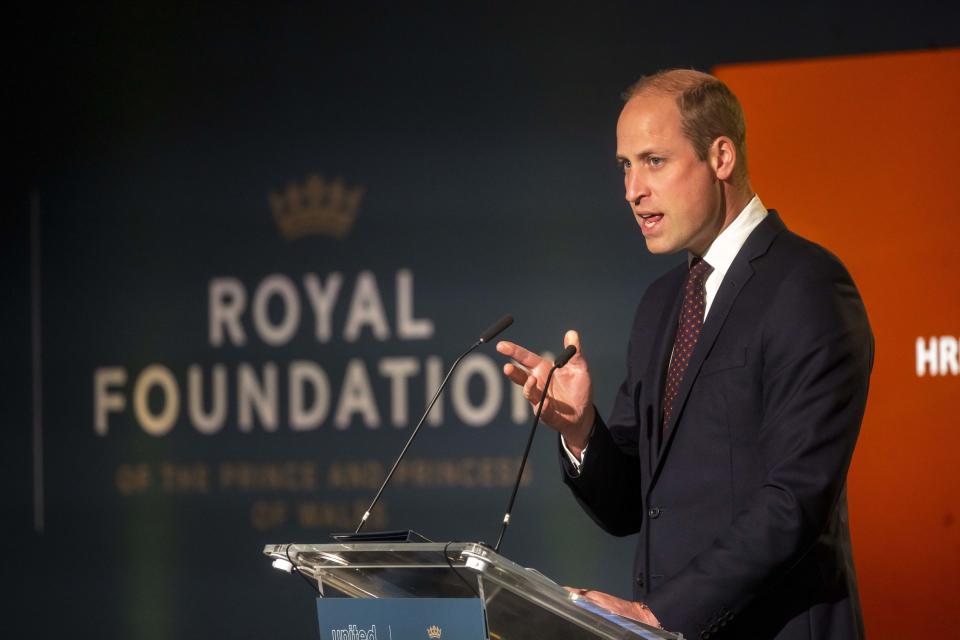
[[146, 140]]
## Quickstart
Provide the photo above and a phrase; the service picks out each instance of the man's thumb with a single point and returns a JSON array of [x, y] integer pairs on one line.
[[571, 337]]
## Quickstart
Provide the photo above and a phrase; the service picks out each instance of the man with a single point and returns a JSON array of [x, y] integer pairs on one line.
[[747, 371]]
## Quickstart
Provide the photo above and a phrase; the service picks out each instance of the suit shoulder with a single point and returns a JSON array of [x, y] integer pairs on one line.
[[658, 295], [801, 258], [666, 284], [810, 290]]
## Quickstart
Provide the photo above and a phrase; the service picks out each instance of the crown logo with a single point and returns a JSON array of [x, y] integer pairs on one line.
[[317, 207], [433, 632]]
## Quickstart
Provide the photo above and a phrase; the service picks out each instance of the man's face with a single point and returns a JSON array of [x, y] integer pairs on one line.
[[675, 197]]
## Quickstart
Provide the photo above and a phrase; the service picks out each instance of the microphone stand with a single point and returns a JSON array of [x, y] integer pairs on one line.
[[413, 435], [487, 335], [557, 364]]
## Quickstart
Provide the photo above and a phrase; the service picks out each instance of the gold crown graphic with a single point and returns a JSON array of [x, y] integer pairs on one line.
[[317, 207], [433, 632]]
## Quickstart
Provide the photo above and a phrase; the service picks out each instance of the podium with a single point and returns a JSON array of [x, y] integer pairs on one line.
[[518, 603]]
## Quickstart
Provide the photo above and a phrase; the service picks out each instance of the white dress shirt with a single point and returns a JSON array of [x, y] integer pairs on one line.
[[719, 255]]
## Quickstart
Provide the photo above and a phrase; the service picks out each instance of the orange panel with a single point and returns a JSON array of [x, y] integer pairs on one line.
[[860, 154]]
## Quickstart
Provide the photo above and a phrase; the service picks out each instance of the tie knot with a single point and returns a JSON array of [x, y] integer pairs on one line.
[[699, 270]]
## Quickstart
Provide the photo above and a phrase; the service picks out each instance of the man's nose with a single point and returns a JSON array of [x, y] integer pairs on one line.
[[635, 186]]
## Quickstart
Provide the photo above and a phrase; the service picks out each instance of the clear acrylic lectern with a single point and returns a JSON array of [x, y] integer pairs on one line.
[[520, 603]]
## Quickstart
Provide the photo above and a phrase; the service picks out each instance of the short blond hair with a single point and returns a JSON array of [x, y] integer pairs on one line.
[[708, 109]]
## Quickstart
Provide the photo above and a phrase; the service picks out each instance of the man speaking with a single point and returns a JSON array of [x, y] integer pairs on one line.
[[747, 371]]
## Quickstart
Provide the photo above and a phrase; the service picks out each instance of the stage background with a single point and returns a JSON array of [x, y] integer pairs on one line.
[[154, 149]]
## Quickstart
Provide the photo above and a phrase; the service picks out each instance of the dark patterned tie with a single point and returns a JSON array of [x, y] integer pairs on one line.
[[688, 332]]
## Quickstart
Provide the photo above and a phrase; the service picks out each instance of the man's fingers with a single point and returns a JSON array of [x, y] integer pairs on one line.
[[520, 377], [518, 353], [530, 390], [626, 608], [524, 379], [517, 375]]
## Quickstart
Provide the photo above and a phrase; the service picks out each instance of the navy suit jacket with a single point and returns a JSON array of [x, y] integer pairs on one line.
[[741, 506]]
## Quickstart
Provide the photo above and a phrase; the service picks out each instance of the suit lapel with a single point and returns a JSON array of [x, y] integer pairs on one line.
[[734, 281], [657, 372]]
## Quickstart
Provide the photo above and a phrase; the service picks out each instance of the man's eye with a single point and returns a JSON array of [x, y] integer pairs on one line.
[[624, 165], [655, 161]]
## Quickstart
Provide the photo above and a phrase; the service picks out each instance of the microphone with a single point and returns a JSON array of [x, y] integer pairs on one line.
[[496, 328], [564, 357], [558, 363], [492, 332]]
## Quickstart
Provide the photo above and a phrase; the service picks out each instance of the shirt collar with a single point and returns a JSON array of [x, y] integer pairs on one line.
[[727, 245]]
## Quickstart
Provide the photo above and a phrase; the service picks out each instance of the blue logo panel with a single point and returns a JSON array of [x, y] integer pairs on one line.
[[401, 619]]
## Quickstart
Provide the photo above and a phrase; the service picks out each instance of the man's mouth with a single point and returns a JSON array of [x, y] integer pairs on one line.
[[649, 220]]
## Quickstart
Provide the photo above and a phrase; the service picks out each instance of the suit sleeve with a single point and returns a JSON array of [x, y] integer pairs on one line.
[[817, 357]]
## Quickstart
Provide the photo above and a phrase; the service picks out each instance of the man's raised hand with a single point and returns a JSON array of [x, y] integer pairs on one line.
[[569, 406]]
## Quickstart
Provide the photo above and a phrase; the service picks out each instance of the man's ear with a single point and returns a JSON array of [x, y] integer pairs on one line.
[[723, 157]]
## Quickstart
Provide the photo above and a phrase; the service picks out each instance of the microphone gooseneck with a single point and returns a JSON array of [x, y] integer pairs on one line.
[[561, 360], [492, 332]]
